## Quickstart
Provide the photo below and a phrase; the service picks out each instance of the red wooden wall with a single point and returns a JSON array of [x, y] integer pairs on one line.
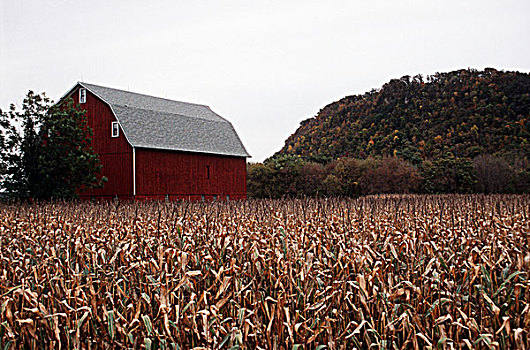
[[115, 153], [184, 175]]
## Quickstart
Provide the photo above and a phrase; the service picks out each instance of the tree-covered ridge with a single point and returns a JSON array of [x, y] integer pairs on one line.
[[465, 112]]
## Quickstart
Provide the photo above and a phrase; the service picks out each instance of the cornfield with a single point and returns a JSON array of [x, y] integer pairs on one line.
[[385, 272]]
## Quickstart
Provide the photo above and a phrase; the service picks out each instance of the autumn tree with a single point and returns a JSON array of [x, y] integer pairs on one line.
[[391, 175], [494, 175]]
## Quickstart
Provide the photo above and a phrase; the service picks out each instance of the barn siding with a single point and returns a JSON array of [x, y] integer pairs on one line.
[[184, 175], [115, 153]]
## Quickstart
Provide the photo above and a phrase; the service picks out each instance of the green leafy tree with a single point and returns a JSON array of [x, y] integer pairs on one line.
[[46, 150], [20, 146], [286, 176], [449, 174], [259, 181]]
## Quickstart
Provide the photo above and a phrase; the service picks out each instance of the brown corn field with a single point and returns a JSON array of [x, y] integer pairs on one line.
[[385, 272]]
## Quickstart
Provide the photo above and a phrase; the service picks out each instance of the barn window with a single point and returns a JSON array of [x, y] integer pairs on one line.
[[82, 95], [207, 171], [115, 129]]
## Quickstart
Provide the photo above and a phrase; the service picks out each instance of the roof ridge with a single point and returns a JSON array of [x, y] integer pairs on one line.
[[142, 94], [222, 120]]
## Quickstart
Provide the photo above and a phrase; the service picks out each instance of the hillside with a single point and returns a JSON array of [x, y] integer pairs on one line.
[[466, 112]]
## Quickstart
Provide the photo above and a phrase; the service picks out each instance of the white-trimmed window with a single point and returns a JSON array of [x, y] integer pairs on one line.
[[82, 95], [115, 129]]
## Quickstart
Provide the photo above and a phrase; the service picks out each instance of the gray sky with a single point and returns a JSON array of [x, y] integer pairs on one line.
[[266, 65]]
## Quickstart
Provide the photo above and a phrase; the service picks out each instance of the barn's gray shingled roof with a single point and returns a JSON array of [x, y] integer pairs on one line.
[[159, 123]]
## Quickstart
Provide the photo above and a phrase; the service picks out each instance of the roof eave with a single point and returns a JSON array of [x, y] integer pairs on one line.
[[239, 155], [68, 93]]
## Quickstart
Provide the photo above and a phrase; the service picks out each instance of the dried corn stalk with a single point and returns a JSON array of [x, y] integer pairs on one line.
[[387, 271]]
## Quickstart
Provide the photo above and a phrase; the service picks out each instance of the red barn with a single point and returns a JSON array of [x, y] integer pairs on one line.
[[155, 148]]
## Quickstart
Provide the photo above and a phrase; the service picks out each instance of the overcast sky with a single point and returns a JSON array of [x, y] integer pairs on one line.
[[263, 65]]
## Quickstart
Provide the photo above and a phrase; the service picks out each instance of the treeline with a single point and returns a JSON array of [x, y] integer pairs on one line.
[[289, 176]]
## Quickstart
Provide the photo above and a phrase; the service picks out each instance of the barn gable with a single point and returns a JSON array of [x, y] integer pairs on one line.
[[158, 123]]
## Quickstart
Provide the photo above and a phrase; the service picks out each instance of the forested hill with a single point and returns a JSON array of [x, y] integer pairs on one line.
[[466, 112]]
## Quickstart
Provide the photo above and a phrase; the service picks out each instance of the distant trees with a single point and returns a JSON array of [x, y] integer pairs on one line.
[[293, 177], [45, 150], [343, 177]]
